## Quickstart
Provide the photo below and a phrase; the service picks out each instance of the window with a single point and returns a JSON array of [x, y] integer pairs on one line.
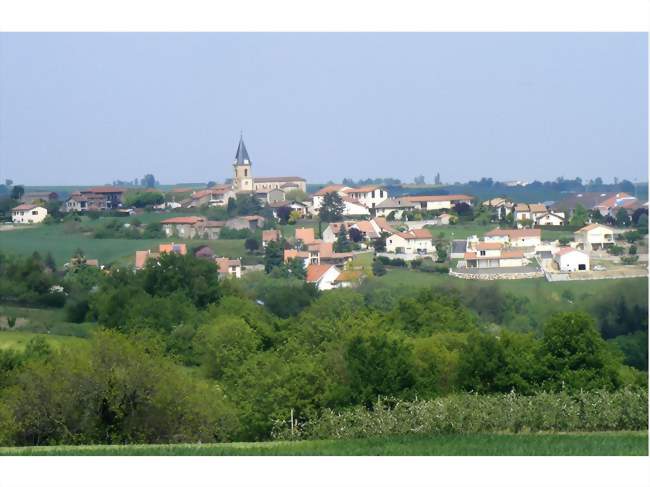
[[482, 252]]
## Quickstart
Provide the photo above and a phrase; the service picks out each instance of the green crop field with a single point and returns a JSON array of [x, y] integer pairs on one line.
[[18, 339], [62, 245], [547, 444]]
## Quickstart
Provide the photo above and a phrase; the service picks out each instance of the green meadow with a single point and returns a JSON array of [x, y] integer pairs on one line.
[[539, 444]]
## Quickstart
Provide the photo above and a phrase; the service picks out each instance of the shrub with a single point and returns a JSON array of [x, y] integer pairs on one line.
[[615, 250], [629, 259], [463, 413]]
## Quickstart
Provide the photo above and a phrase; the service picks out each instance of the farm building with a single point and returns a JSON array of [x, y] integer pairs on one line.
[[28, 214], [571, 260]]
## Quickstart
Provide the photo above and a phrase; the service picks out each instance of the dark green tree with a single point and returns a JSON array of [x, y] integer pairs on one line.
[[342, 243], [332, 207], [273, 255]]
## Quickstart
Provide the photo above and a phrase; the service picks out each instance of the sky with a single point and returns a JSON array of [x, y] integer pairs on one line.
[[90, 108]]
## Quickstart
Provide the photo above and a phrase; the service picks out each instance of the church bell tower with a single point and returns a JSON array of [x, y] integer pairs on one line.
[[243, 177]]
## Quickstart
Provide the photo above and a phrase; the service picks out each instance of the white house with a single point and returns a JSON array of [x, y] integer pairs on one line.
[[594, 236], [443, 202], [396, 205], [571, 260], [369, 229], [324, 276], [369, 196], [354, 207], [228, 267], [529, 212], [317, 197], [550, 218], [416, 241], [28, 214], [515, 237], [492, 255]]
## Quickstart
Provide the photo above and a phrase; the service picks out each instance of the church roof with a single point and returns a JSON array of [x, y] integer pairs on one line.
[[241, 158]]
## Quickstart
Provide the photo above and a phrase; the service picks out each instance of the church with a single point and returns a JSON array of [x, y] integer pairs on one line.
[[244, 182]]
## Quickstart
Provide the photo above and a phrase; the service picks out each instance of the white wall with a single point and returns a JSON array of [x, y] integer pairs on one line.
[[35, 215]]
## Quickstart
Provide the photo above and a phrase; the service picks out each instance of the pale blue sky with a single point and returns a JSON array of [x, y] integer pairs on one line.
[[91, 108]]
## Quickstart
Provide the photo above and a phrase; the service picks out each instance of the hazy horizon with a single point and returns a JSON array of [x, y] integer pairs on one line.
[[81, 109]]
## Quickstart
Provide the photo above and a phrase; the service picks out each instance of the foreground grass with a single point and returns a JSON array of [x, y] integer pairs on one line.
[[546, 444]]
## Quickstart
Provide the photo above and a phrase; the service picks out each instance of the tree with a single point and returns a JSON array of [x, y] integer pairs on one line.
[[579, 217], [355, 235], [148, 181], [380, 243], [575, 356], [273, 255], [252, 244], [378, 268], [294, 216], [224, 345], [296, 267], [186, 274], [441, 251], [332, 207], [296, 195], [17, 192], [342, 243], [283, 214], [378, 364], [248, 204], [232, 206], [622, 217], [464, 211]]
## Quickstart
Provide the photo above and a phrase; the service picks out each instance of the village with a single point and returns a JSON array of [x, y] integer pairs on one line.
[[339, 235]]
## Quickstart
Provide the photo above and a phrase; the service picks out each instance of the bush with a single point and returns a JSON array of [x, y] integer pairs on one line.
[[472, 413], [378, 268], [429, 266], [629, 259], [615, 250]]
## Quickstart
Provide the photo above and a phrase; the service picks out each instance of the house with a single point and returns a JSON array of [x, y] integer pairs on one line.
[[369, 196], [28, 214], [571, 260], [292, 205], [228, 267], [394, 206], [192, 227], [39, 197], [382, 225], [305, 255], [214, 196], [354, 207], [605, 203], [100, 198], [328, 256], [444, 219], [503, 206], [438, 202], [368, 229], [550, 218], [594, 236], [251, 222], [317, 197], [515, 237], [305, 235], [490, 256], [416, 241], [348, 278], [142, 256], [458, 249], [270, 236], [525, 212], [323, 276], [269, 196]]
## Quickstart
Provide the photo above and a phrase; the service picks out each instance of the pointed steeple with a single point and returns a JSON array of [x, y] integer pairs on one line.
[[241, 158]]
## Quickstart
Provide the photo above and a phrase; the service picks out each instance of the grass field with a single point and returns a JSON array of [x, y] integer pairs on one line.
[[619, 443], [18, 339], [52, 238], [464, 230]]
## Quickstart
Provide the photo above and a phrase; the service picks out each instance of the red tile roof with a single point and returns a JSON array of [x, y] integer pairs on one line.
[[447, 197], [592, 227], [24, 207], [316, 271], [305, 234], [183, 220], [104, 189], [225, 263], [332, 188], [173, 247], [489, 246], [268, 235], [416, 234], [295, 254]]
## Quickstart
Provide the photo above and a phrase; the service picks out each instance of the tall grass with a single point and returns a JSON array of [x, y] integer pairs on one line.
[[624, 410]]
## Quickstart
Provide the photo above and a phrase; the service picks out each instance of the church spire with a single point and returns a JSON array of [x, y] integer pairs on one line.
[[241, 158]]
